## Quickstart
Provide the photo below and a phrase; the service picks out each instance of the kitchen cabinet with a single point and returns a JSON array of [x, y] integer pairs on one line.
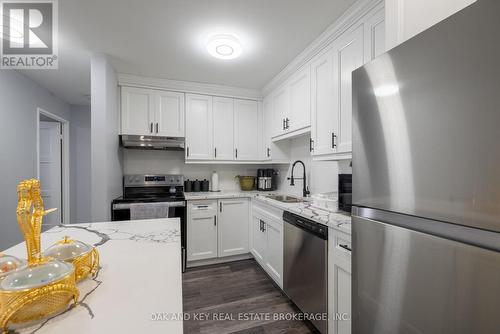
[[280, 100], [246, 130], [300, 100], [201, 230], [151, 112], [348, 55], [339, 282], [278, 151], [267, 240], [169, 114], [223, 128], [234, 218], [217, 229], [407, 18], [374, 35], [291, 103], [199, 127]]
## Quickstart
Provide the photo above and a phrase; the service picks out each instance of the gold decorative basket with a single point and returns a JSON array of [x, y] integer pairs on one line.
[[84, 258], [46, 286]]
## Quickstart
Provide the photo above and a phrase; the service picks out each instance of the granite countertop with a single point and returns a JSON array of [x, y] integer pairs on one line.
[[131, 293], [337, 220]]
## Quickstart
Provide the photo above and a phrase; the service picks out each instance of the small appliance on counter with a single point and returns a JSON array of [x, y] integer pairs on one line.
[[345, 192], [267, 179]]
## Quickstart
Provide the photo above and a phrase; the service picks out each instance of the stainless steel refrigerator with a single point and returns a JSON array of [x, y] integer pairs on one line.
[[426, 181]]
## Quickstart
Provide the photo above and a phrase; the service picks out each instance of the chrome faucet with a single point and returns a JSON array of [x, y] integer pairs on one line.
[[305, 189]]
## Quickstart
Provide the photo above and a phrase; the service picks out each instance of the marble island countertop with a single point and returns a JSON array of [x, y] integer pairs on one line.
[[130, 290], [337, 220]]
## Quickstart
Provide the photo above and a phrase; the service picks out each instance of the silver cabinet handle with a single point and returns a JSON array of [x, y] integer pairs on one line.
[[215, 220], [268, 152], [151, 128], [287, 126], [187, 151], [215, 152], [311, 145], [156, 127], [284, 124], [220, 206], [236, 153], [334, 136]]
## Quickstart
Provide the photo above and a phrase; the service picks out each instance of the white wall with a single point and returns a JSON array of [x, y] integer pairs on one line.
[[322, 176], [19, 99], [106, 156], [172, 162], [407, 18], [80, 164]]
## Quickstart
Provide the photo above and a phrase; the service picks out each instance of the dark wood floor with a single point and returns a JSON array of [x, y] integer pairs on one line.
[[222, 293]]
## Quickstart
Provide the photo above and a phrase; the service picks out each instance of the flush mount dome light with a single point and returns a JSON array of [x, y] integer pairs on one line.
[[224, 47]]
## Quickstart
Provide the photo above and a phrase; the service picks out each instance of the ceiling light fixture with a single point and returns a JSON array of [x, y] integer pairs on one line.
[[224, 47]]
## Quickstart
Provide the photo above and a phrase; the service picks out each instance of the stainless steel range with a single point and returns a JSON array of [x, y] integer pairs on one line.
[[150, 197]]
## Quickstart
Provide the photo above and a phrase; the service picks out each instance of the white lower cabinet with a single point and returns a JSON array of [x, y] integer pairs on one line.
[[233, 226], [339, 282], [217, 229], [267, 241], [201, 230]]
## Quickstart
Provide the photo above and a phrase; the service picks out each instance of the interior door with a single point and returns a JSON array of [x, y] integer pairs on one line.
[[324, 116], [411, 282], [50, 170], [169, 114], [199, 127], [223, 109], [348, 56], [247, 130], [137, 116]]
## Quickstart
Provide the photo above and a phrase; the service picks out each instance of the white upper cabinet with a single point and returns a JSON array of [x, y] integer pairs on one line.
[[137, 111], [407, 18], [169, 115], [199, 127], [348, 55], [223, 120], [247, 131], [300, 100], [267, 105], [152, 112], [374, 35], [324, 117], [280, 101]]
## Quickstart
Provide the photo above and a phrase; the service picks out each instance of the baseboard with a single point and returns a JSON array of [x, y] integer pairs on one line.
[[199, 263]]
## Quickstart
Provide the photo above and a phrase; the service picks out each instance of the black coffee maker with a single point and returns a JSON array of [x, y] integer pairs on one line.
[[267, 179]]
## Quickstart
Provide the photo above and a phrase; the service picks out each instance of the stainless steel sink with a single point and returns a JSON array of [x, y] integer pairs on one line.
[[285, 198]]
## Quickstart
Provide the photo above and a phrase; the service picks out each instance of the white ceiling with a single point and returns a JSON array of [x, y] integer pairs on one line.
[[164, 39]]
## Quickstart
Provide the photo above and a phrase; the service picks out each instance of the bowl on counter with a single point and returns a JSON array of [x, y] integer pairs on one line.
[[247, 183]]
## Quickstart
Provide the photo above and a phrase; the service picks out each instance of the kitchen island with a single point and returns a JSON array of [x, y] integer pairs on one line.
[[138, 288]]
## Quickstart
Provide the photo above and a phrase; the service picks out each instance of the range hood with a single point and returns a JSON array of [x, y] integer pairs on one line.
[[152, 142]]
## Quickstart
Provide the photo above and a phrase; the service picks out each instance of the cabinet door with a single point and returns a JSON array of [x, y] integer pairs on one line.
[[169, 114], [137, 111], [300, 99], [259, 239], [280, 110], [274, 256], [348, 56], [202, 230], [268, 128], [199, 127], [374, 36], [246, 130], [223, 109], [341, 294], [324, 117], [234, 216]]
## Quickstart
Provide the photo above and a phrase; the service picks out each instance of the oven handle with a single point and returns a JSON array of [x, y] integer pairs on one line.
[[124, 206]]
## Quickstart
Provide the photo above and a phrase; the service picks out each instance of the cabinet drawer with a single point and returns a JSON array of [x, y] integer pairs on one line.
[[206, 207], [339, 244]]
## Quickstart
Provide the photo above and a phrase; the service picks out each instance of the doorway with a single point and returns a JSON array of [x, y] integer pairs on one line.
[[53, 165]]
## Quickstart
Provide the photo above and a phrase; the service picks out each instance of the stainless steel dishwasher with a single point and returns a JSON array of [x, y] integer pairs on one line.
[[305, 263]]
